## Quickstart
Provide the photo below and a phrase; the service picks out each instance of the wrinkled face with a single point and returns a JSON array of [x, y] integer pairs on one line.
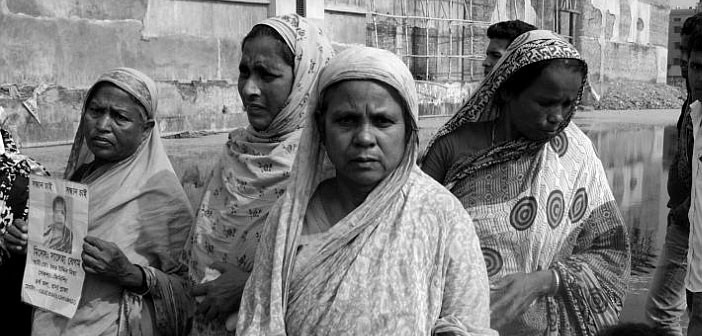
[[538, 111], [114, 123], [694, 74], [684, 55], [59, 212], [495, 49], [265, 81], [364, 131]]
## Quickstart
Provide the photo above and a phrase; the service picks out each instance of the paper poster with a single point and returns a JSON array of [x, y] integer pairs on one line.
[[57, 224]]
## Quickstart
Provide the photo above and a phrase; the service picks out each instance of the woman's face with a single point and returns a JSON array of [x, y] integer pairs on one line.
[[364, 131], [114, 124], [538, 111], [265, 81]]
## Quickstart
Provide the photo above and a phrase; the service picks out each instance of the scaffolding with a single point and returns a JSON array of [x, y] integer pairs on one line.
[[438, 39]]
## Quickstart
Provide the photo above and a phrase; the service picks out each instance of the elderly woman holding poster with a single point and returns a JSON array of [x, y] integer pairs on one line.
[[139, 218]]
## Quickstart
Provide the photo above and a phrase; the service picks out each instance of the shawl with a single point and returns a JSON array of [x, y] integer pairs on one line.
[[12, 165], [253, 170], [544, 205], [404, 262], [138, 204]]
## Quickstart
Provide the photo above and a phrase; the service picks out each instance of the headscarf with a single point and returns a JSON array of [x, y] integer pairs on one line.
[[254, 168], [138, 204], [528, 48], [278, 301]]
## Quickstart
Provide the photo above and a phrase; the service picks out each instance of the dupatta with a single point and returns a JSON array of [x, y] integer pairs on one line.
[[544, 205], [138, 204], [404, 262]]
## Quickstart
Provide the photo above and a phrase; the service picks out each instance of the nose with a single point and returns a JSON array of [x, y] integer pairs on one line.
[[250, 88], [103, 122], [364, 136], [557, 117]]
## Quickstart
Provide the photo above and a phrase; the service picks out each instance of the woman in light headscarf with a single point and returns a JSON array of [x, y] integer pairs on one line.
[[281, 60], [554, 241], [373, 246], [138, 220]]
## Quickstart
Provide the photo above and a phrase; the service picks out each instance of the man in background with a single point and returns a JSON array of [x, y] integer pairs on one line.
[[501, 34], [667, 296]]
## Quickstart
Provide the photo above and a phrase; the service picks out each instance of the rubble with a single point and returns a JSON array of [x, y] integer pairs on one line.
[[626, 95]]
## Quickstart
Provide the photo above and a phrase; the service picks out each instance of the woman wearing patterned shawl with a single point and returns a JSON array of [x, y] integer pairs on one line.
[[373, 246], [15, 170], [553, 239], [281, 60], [139, 218]]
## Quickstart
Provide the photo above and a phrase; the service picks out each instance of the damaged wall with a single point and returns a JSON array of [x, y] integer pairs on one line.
[[625, 39], [191, 48]]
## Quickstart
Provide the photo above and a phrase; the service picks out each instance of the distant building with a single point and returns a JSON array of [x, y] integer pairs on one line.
[[675, 22]]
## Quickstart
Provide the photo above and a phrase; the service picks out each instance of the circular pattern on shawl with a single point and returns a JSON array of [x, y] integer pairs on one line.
[[493, 261], [555, 208], [579, 206], [559, 143], [523, 213], [598, 302]]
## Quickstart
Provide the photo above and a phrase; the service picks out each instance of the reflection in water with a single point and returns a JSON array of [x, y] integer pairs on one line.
[[636, 162]]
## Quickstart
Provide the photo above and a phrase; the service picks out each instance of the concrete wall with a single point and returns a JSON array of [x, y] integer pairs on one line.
[[191, 48], [625, 39]]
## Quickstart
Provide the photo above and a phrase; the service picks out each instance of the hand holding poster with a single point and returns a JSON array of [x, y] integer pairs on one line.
[[58, 222]]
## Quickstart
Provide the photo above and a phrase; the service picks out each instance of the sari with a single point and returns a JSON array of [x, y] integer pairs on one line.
[[404, 262], [138, 204], [253, 170], [542, 205]]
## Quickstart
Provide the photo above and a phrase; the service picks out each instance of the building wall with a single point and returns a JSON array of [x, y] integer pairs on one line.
[[625, 39], [52, 50]]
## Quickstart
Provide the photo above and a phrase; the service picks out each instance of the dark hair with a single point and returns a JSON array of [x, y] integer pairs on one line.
[[265, 30], [509, 30], [691, 24], [631, 329], [58, 200], [524, 77]]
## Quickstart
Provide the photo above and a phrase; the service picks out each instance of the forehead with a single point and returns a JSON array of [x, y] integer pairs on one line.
[[362, 91], [498, 45], [264, 49], [108, 92], [555, 79]]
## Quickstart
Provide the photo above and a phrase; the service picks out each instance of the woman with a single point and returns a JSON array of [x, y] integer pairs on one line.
[[280, 63], [15, 170], [553, 239], [374, 246], [139, 218]]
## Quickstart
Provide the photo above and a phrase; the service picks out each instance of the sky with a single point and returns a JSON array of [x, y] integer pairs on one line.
[[682, 3]]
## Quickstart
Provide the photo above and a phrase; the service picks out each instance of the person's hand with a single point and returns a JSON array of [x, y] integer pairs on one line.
[[222, 295], [105, 259], [16, 237], [513, 294]]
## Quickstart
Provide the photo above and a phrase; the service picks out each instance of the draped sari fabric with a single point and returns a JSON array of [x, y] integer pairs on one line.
[[138, 204], [543, 205], [404, 262], [254, 168]]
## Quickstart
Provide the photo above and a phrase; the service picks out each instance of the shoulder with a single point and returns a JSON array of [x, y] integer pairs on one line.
[[434, 200]]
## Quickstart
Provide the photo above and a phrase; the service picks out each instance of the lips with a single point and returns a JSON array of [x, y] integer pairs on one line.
[[252, 107], [101, 141]]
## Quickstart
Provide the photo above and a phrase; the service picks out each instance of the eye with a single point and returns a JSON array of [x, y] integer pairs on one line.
[[243, 71], [383, 122]]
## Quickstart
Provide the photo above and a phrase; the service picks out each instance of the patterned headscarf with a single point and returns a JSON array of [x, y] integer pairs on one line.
[[528, 48]]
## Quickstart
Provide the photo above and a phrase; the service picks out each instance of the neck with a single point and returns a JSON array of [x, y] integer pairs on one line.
[[350, 194], [504, 131]]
